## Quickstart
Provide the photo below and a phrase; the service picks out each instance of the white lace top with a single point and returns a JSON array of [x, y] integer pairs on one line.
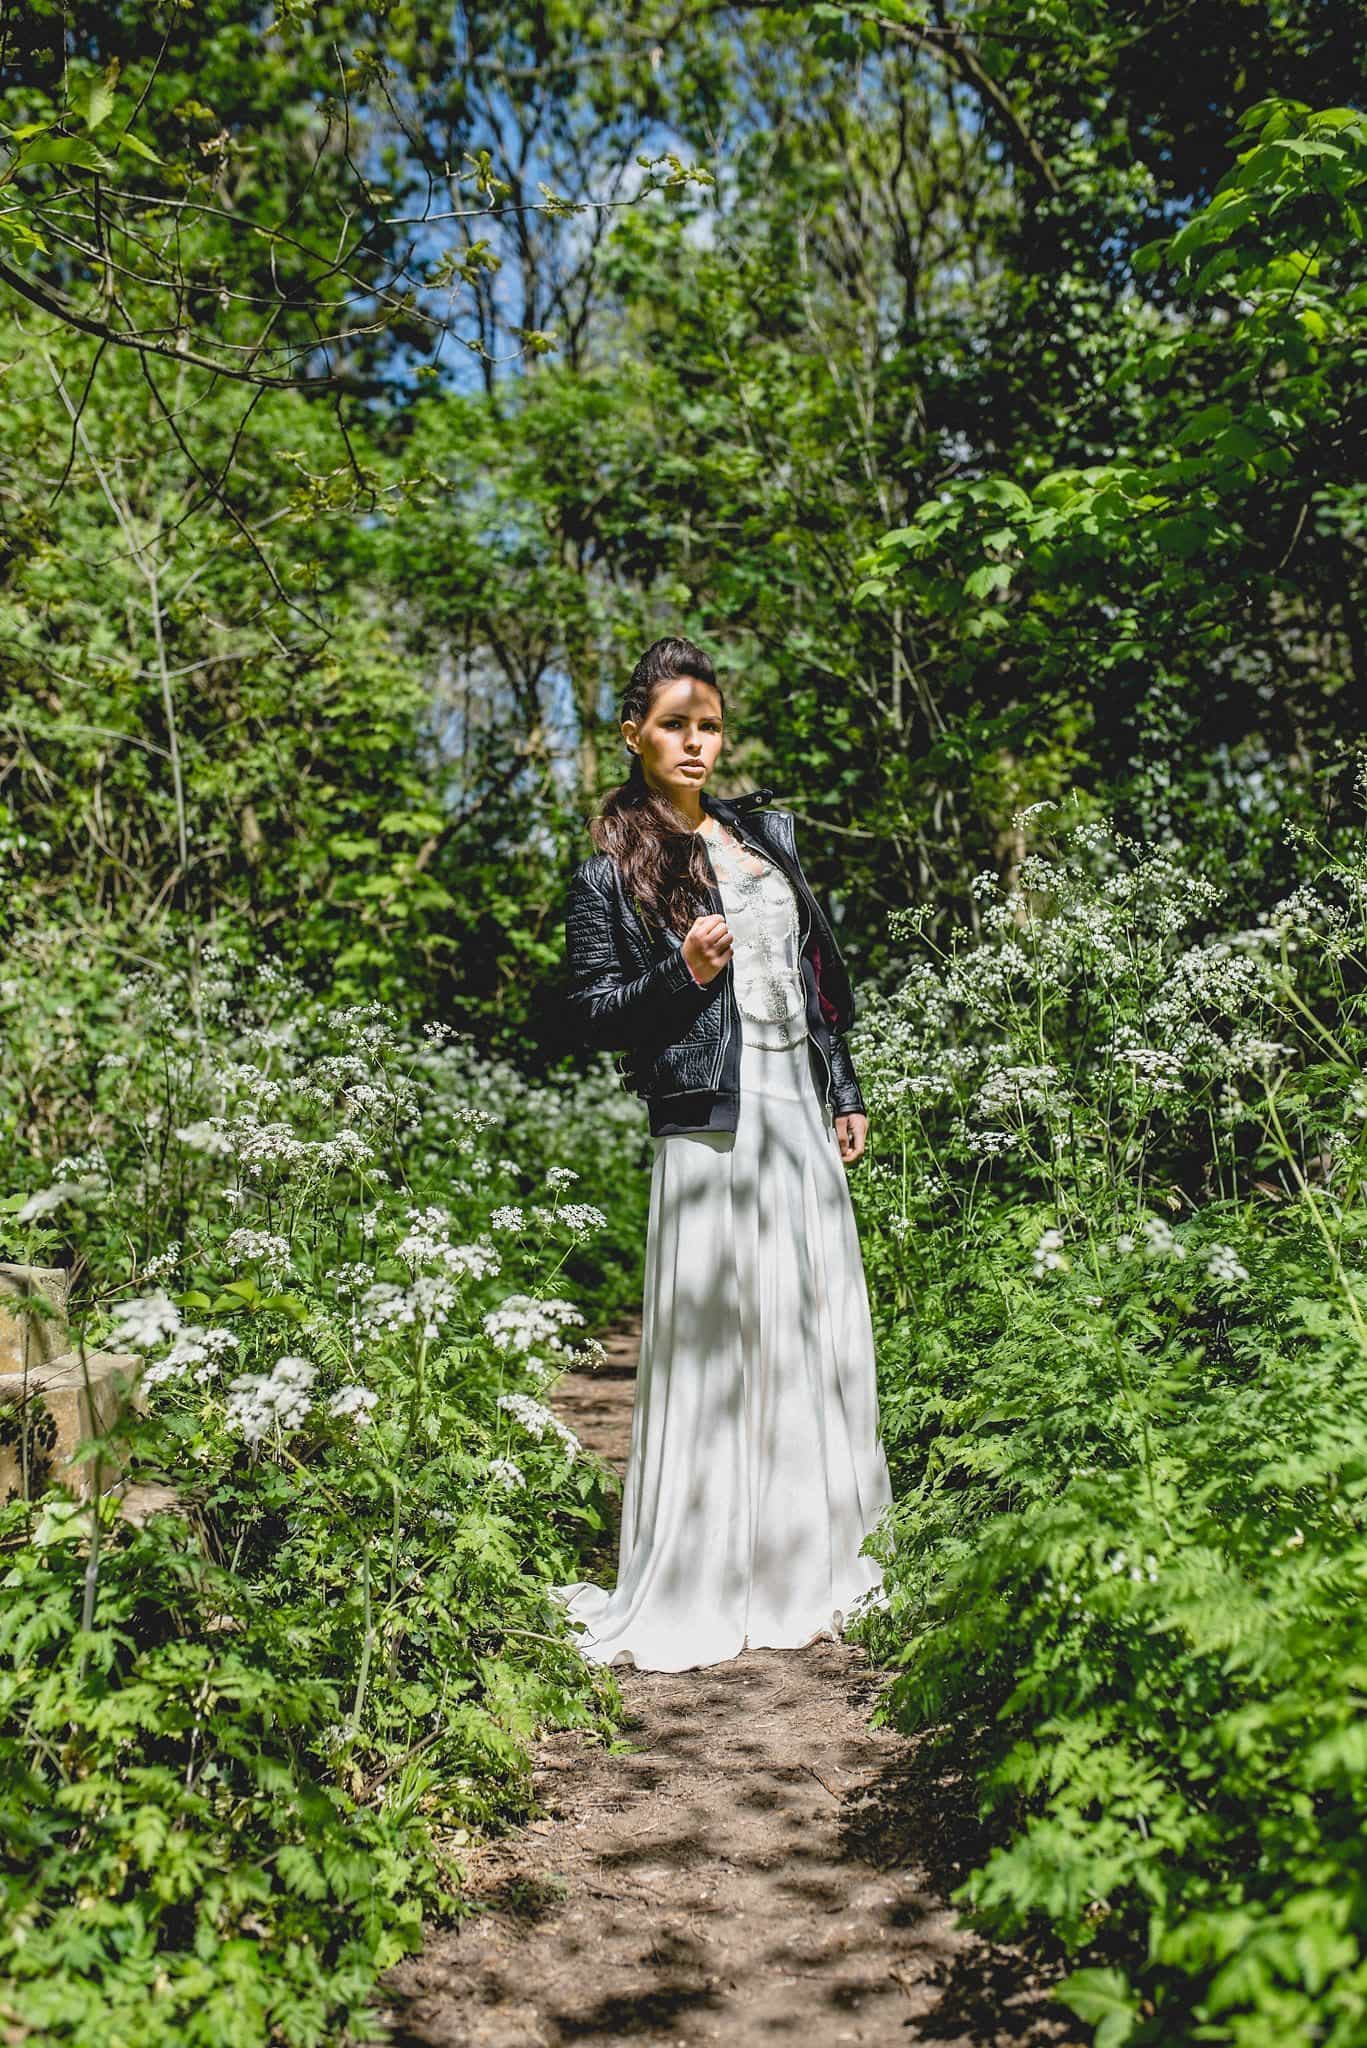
[[761, 911]]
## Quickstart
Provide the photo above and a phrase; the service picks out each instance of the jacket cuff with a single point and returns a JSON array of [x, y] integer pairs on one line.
[[681, 975]]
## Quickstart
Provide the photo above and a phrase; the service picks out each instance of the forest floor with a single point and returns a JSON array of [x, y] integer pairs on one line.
[[761, 1865]]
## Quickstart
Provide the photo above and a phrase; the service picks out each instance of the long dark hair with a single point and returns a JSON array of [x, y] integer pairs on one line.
[[662, 867]]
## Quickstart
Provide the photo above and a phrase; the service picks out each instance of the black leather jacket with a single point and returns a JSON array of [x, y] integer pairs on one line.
[[631, 990]]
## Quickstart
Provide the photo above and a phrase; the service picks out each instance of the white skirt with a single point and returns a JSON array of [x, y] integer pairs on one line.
[[755, 1470]]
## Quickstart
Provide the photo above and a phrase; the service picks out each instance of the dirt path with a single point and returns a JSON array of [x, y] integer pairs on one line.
[[763, 1866]]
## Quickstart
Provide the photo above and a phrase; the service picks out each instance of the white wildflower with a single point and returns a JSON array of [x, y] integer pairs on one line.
[[46, 1200], [353, 1401], [589, 1355], [561, 1177], [258, 1247], [480, 1261], [582, 1217], [536, 1419], [207, 1136], [1160, 1240], [507, 1218], [427, 1243], [203, 1349], [1020, 819], [352, 1277], [258, 1402], [986, 1144], [386, 1309], [506, 1474], [1049, 1254], [1013, 1090], [1152, 1063], [1223, 1264], [522, 1323], [1248, 1051], [146, 1321]]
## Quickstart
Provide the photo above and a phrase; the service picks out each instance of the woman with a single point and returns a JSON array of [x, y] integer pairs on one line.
[[696, 948]]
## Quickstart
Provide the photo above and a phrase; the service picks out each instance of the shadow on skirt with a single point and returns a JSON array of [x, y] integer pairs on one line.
[[755, 1469]]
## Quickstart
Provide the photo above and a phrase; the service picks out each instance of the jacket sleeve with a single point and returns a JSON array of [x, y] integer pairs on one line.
[[845, 1091], [612, 1011], [846, 1095]]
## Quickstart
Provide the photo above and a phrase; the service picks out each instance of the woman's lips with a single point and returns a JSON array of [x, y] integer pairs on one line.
[[692, 767]]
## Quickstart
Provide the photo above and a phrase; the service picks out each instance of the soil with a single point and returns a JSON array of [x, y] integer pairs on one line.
[[761, 1866]]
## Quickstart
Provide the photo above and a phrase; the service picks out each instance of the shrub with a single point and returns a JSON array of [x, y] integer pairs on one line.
[[1116, 1226]]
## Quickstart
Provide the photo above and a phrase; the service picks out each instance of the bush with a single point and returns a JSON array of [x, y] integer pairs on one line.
[[244, 1741], [1118, 1212]]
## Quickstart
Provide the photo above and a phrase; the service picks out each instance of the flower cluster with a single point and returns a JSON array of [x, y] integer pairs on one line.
[[259, 1248], [578, 1217], [522, 1323], [1049, 1254], [1224, 1265], [202, 1350], [355, 1402], [427, 1242], [146, 1321], [1013, 1090], [387, 1310], [259, 1403], [537, 1419], [1157, 1235]]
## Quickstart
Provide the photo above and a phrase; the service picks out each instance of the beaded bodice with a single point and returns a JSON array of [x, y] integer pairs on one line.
[[761, 911]]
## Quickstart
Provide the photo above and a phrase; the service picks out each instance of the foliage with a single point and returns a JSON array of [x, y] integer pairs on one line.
[[1121, 1268], [245, 1735], [985, 402], [1237, 493]]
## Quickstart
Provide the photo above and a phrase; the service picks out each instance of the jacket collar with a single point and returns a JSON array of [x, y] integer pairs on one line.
[[730, 807]]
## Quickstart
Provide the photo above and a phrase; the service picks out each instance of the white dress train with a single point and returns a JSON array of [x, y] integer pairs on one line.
[[755, 1469]]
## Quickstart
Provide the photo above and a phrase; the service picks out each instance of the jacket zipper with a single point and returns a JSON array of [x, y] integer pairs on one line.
[[724, 1036], [830, 1077]]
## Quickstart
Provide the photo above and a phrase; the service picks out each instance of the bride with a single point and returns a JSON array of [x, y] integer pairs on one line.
[[697, 950]]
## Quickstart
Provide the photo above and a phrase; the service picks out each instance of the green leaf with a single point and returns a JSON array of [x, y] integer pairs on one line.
[[245, 1290], [126, 140], [300, 1871], [1104, 1999], [985, 582], [71, 151], [98, 104]]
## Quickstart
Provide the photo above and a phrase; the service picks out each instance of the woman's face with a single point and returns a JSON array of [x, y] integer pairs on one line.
[[679, 739]]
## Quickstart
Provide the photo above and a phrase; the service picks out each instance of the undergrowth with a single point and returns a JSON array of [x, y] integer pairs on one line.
[[1116, 1234]]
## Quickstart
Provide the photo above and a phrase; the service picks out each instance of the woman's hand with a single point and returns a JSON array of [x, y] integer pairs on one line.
[[707, 947], [851, 1128]]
